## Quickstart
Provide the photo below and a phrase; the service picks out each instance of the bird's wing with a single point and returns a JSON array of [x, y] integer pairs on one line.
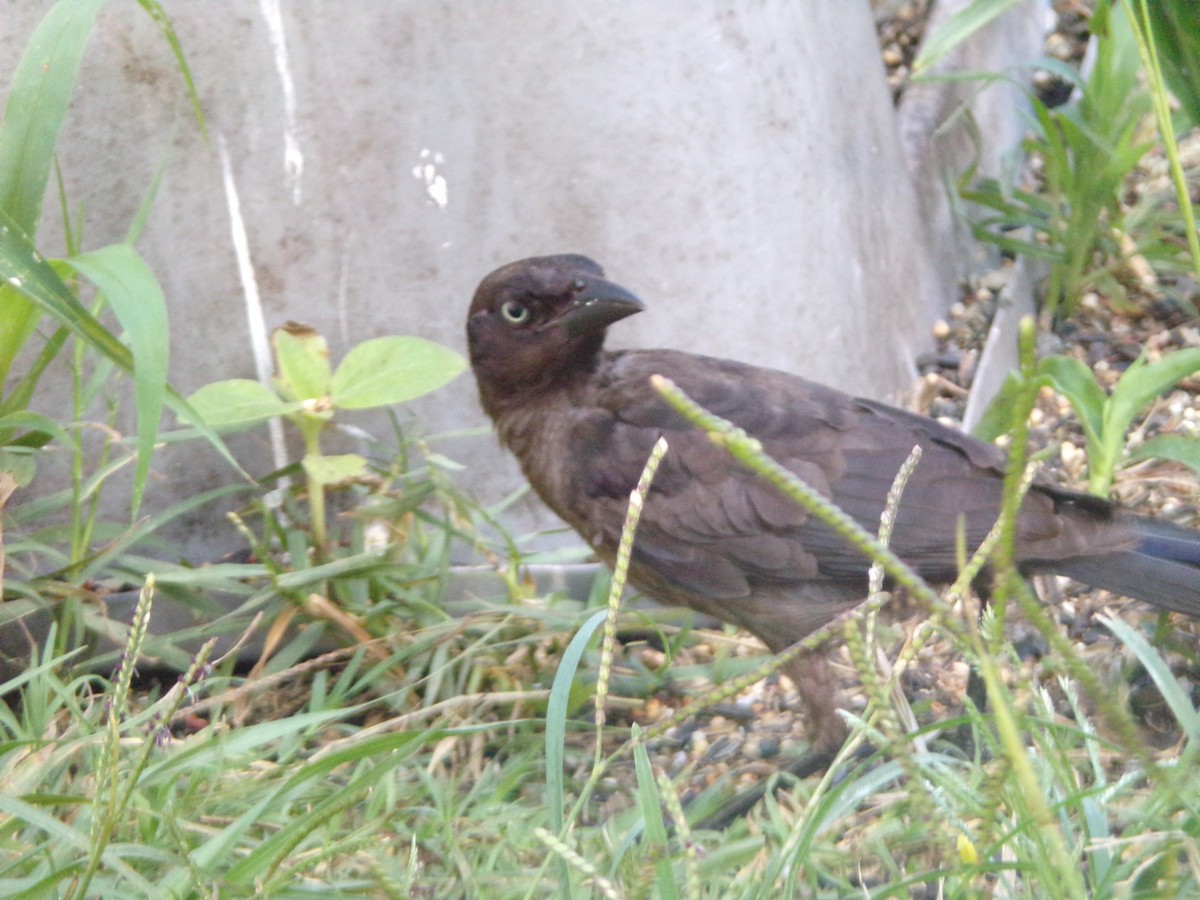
[[713, 528]]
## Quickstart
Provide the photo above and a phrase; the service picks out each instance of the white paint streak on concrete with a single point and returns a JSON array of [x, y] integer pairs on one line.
[[260, 343], [426, 172], [293, 159]]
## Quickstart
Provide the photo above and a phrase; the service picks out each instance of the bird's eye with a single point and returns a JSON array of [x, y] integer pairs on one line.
[[514, 312]]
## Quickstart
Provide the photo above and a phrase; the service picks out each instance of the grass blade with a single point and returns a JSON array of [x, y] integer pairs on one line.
[[1176, 698], [138, 302], [37, 105], [957, 29], [33, 115], [557, 710]]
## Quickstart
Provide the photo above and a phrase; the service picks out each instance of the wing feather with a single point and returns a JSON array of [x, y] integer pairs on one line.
[[714, 528]]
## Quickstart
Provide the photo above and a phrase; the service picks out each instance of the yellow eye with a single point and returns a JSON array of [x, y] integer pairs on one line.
[[514, 312]]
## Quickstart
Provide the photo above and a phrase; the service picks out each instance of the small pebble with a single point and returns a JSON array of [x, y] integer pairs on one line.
[[1059, 46], [651, 658]]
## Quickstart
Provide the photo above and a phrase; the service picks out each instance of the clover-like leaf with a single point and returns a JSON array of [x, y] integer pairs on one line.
[[336, 469], [392, 369], [238, 403], [302, 358]]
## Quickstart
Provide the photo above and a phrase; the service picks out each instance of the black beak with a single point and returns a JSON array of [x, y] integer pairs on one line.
[[596, 305]]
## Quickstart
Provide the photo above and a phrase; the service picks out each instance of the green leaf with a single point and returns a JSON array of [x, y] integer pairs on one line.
[[557, 710], [133, 292], [335, 469], [65, 836], [656, 838], [1176, 25], [390, 370], [20, 391], [1075, 381], [1174, 447], [957, 29], [1143, 382], [302, 357], [20, 318], [360, 565], [159, 15], [29, 422], [1175, 696], [37, 105], [238, 403], [997, 419], [26, 271], [22, 466]]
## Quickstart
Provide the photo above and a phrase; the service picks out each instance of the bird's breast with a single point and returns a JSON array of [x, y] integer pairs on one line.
[[544, 437]]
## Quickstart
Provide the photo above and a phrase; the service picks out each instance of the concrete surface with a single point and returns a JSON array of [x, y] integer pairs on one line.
[[738, 165]]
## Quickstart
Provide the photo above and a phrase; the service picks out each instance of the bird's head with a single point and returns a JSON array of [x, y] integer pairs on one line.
[[536, 323]]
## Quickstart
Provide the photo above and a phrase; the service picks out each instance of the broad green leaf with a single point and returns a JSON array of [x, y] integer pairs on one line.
[[1178, 448], [32, 287], [18, 455], [390, 370], [1075, 381], [136, 299], [302, 357], [22, 466], [238, 403], [1143, 382], [336, 469]]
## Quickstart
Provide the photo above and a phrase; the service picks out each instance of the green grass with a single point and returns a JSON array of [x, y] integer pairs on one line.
[[462, 757]]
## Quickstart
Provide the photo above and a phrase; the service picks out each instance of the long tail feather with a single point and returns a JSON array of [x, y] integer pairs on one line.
[[1163, 569]]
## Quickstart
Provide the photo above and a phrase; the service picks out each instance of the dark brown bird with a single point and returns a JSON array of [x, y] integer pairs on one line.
[[582, 420]]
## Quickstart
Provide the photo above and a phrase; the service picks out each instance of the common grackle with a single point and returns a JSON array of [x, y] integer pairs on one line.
[[582, 420]]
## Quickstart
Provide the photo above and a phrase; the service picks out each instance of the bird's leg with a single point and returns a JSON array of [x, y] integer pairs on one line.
[[820, 700], [810, 763]]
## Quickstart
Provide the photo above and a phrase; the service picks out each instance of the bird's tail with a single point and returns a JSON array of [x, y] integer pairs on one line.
[[1163, 568]]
